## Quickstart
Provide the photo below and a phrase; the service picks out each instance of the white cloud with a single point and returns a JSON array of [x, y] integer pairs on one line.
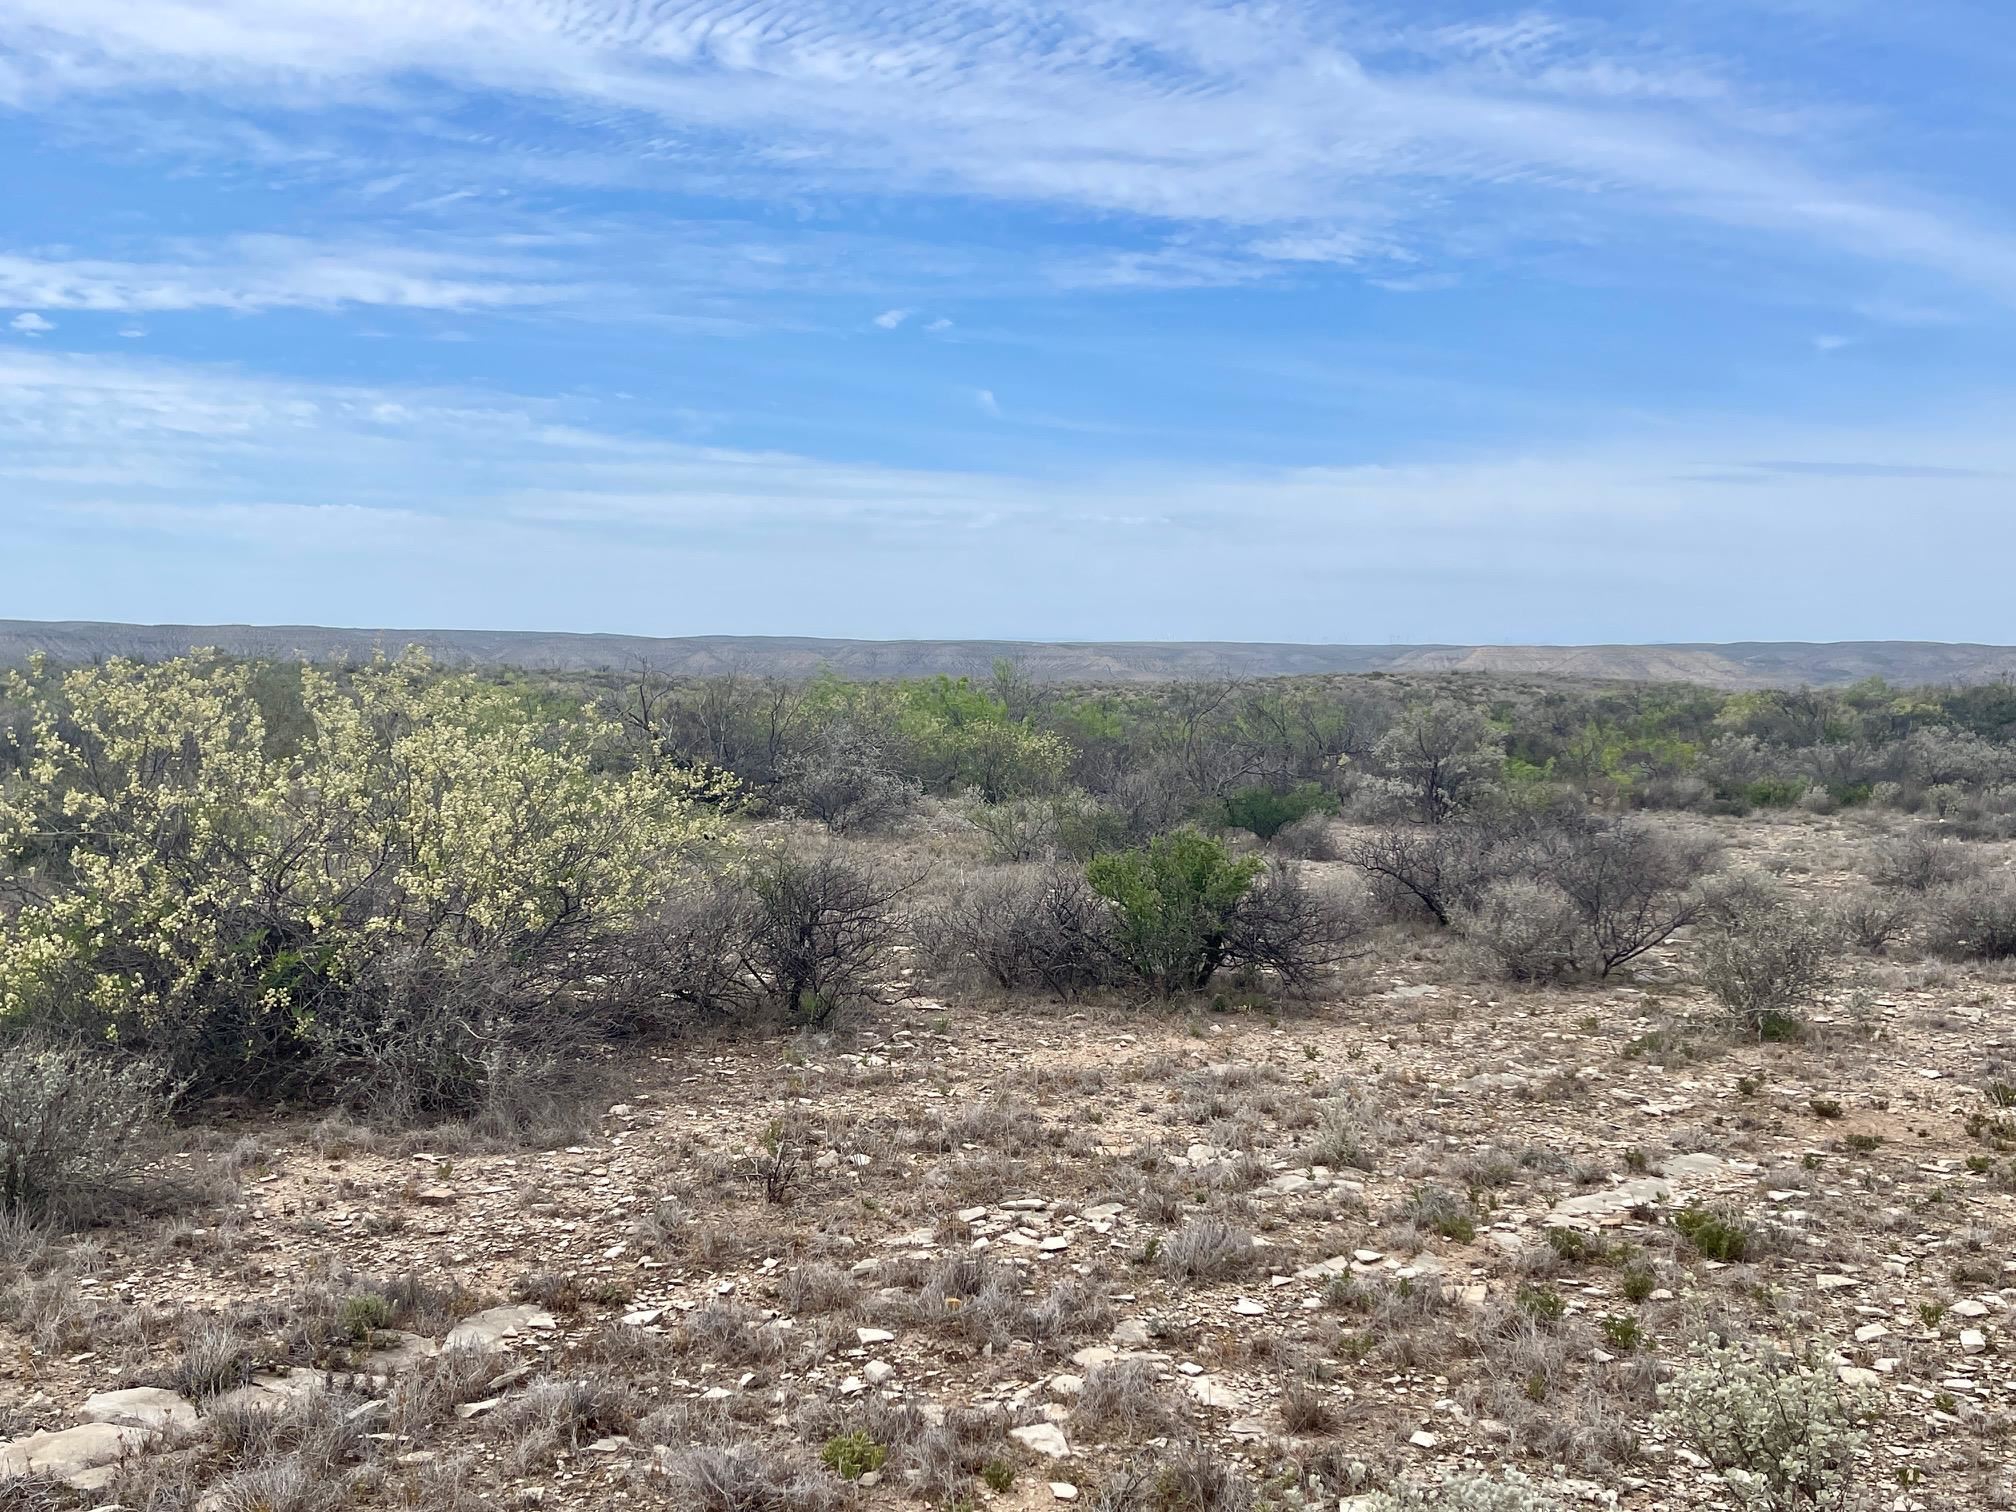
[[515, 504], [989, 405], [888, 320], [1302, 120], [31, 324], [253, 273], [940, 325]]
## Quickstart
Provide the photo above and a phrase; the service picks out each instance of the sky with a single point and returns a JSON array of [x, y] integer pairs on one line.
[[1301, 320]]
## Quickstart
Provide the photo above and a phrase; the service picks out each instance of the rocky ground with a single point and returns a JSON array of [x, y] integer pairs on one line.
[[1011, 1254]]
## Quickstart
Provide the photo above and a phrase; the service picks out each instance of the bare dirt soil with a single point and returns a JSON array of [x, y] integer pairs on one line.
[[1023, 1249]]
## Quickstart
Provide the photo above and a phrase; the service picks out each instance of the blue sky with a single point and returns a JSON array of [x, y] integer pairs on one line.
[[1291, 319]]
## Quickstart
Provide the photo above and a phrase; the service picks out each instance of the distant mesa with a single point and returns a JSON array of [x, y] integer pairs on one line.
[[1739, 664]]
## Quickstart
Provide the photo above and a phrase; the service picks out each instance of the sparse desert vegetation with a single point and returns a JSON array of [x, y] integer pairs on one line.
[[422, 1088]]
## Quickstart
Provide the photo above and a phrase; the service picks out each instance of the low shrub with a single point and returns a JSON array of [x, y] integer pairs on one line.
[[1530, 927], [1874, 919], [1509, 1492], [73, 1126], [1022, 927], [1975, 919], [1768, 963], [1921, 861], [1781, 1428], [821, 933]]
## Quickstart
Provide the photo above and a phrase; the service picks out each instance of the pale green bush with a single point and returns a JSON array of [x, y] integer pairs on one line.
[[191, 882], [1782, 1429], [1530, 927], [1765, 963], [1510, 1492]]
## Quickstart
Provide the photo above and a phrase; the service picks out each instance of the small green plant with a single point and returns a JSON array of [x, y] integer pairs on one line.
[[1862, 1144], [364, 1313], [1929, 1313], [997, 1475], [1746, 1086], [1447, 1213], [1543, 1303], [1621, 1332], [1576, 1247], [1638, 1283], [1980, 1165], [1715, 1235], [1636, 1161], [1825, 1107], [853, 1455]]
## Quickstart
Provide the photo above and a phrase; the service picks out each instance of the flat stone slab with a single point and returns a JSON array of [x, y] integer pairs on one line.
[[269, 1393], [141, 1407], [495, 1330], [1596, 1206], [73, 1451], [394, 1352]]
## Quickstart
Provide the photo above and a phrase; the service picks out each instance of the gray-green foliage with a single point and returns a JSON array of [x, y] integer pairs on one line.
[[71, 1124], [1768, 960], [1782, 1429], [1510, 1492], [1529, 925]]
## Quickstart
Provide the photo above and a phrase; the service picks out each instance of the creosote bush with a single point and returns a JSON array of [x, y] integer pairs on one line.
[[1782, 1429], [1183, 909]]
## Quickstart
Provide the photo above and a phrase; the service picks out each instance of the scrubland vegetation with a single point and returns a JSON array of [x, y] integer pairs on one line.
[[1425, 1093]]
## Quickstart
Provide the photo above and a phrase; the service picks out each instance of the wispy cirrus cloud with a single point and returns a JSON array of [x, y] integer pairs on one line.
[[1294, 121], [268, 272]]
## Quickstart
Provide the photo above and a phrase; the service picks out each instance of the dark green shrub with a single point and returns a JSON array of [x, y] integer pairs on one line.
[[1175, 906], [1265, 812], [1717, 1236]]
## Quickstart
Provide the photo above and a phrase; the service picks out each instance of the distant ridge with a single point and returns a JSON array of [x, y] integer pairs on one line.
[[1741, 664]]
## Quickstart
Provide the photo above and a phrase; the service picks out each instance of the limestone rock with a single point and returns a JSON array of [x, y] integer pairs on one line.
[[141, 1407], [70, 1452], [497, 1329], [1046, 1439]]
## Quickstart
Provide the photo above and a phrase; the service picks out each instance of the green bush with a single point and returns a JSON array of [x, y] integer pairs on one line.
[[1266, 812], [1717, 1236], [1175, 907], [853, 1455]]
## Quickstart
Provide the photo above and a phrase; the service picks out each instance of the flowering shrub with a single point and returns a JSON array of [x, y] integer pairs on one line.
[[1781, 1429], [189, 879]]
